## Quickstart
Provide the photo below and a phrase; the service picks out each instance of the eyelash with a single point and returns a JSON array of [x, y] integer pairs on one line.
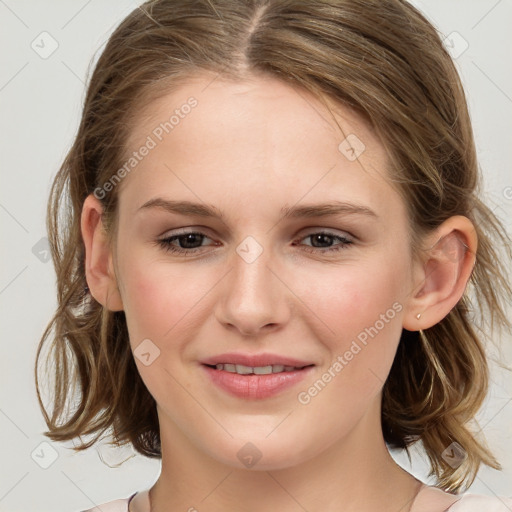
[[165, 243]]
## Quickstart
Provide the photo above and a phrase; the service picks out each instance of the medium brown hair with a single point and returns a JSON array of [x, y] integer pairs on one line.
[[383, 59]]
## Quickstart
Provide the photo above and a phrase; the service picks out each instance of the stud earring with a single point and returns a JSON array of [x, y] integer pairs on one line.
[[418, 316]]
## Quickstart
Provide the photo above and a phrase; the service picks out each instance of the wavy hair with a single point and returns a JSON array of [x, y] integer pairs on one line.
[[383, 59]]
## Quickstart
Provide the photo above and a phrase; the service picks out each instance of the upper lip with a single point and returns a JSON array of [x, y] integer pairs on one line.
[[253, 360]]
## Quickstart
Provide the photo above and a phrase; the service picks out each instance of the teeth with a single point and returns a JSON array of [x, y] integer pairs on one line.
[[244, 370], [261, 370], [258, 370]]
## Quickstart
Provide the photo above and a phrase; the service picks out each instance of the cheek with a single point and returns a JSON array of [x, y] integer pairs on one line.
[[361, 306], [353, 298], [157, 299], [160, 305]]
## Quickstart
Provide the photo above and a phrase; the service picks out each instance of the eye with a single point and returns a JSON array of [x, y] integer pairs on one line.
[[324, 237], [189, 243]]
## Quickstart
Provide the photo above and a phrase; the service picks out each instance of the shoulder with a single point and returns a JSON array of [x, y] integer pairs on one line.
[[431, 499], [120, 505], [479, 502]]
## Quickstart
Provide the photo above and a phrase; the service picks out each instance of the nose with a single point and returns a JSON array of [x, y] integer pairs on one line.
[[254, 298]]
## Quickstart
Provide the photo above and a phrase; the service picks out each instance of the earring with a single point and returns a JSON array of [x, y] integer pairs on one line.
[[418, 316]]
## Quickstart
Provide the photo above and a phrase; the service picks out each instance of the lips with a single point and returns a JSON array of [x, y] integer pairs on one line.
[[255, 376]]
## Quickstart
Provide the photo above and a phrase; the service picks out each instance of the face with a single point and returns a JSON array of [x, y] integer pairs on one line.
[[263, 280]]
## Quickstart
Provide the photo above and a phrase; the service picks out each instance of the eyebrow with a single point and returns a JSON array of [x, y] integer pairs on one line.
[[304, 211]]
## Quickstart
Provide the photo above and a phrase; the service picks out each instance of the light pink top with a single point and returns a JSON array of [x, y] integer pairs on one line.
[[428, 499]]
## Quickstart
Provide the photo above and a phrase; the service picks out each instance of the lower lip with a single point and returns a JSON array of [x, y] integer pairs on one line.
[[256, 386]]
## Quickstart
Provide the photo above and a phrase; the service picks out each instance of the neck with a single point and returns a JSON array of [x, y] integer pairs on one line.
[[356, 473]]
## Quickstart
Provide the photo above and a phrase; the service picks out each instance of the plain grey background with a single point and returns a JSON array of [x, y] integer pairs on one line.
[[46, 51]]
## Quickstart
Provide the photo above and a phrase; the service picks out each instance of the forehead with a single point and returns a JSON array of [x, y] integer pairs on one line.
[[259, 102], [249, 138]]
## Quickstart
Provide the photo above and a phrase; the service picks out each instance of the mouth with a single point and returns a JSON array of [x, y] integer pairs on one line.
[[253, 377], [262, 360], [241, 369]]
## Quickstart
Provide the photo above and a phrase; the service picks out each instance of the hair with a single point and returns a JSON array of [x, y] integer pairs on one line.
[[381, 58]]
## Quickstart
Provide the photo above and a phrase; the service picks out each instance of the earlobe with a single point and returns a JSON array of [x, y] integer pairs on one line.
[[99, 270], [445, 272]]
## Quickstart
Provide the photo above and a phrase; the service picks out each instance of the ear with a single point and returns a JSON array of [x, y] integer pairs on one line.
[[442, 274], [99, 270]]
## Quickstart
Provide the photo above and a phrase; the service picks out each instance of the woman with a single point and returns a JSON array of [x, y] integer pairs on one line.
[[273, 222]]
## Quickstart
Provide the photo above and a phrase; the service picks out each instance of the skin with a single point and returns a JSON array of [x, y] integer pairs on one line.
[[250, 148]]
